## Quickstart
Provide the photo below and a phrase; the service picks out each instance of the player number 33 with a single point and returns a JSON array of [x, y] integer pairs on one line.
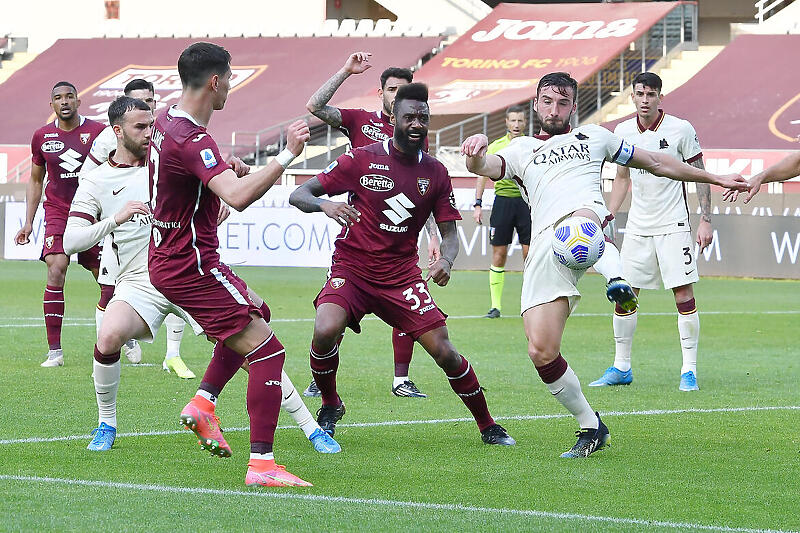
[[411, 297]]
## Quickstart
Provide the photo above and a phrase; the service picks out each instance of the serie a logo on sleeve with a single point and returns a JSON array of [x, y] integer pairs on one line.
[[207, 155]]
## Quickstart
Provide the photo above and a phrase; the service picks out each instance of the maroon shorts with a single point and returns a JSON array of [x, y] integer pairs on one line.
[[218, 300], [407, 306], [54, 243]]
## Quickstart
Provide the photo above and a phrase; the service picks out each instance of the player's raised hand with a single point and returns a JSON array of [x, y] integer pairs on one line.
[[357, 63], [475, 145], [439, 272], [297, 135], [755, 185], [23, 235], [131, 208], [239, 166], [344, 214]]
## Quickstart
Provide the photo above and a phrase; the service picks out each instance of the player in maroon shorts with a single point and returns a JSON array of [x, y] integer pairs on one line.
[[364, 128], [59, 148], [381, 222], [187, 179]]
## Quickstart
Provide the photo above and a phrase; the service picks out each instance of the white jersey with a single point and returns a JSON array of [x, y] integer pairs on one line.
[[560, 174], [103, 144], [101, 194], [658, 204]]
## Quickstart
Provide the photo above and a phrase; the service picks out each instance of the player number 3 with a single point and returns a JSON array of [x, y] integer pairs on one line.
[[411, 297]]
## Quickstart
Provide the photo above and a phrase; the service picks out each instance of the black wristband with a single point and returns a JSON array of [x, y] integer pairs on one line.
[[478, 202]]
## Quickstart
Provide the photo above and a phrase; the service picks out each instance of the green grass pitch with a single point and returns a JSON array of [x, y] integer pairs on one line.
[[678, 461]]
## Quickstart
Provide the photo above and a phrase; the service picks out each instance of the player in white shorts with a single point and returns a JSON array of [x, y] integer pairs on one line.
[[658, 247], [558, 172], [110, 200], [104, 144]]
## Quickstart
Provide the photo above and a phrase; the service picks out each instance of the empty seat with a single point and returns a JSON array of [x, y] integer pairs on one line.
[[328, 27], [381, 29], [345, 28], [365, 26]]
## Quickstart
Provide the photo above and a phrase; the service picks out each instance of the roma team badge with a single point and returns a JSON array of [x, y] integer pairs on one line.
[[49, 241], [423, 184], [85, 137], [337, 282]]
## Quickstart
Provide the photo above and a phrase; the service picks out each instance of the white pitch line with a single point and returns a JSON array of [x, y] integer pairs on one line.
[[650, 412], [374, 502]]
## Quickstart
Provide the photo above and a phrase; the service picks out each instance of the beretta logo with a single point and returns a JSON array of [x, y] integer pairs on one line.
[[373, 133], [376, 182], [51, 147]]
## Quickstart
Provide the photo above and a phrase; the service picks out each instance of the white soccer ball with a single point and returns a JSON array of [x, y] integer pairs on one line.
[[578, 242]]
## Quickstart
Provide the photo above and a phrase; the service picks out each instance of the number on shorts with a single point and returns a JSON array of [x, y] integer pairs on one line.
[[411, 297], [688, 255], [154, 158]]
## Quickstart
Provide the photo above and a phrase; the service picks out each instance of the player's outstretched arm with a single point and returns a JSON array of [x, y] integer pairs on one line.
[[240, 192], [619, 189], [478, 161], [33, 195], [317, 105], [785, 169], [307, 199], [439, 271], [669, 167]]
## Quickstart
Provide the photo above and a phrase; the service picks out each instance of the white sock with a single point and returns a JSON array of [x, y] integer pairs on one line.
[[263, 456], [207, 395], [689, 330], [567, 390], [174, 325], [399, 380], [106, 384], [624, 327], [98, 319], [293, 404], [610, 263]]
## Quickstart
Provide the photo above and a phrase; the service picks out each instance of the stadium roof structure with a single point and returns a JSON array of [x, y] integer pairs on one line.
[[272, 80], [499, 61], [746, 97]]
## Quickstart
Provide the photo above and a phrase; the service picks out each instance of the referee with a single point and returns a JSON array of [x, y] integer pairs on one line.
[[509, 212]]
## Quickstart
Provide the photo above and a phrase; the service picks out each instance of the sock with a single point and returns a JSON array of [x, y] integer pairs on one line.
[[106, 383], [264, 392], [689, 330], [53, 303], [465, 384], [261, 461], [403, 345], [324, 365], [293, 404], [624, 327], [223, 365], [211, 398], [610, 263], [497, 279], [174, 325], [399, 380], [562, 383], [106, 292]]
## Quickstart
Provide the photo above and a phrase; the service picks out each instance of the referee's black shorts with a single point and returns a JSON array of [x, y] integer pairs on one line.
[[509, 214]]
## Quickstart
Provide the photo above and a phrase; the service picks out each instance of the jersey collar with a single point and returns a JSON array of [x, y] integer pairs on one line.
[[82, 120], [122, 165], [391, 151], [654, 126], [173, 111], [545, 136]]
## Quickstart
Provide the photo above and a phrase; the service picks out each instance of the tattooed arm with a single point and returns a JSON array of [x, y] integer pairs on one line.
[[318, 103], [705, 235], [434, 250]]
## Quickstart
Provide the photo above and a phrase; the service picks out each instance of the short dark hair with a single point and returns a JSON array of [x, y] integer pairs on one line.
[[515, 109], [201, 60], [137, 85], [412, 91], [122, 105], [648, 79], [396, 72], [561, 81], [64, 84]]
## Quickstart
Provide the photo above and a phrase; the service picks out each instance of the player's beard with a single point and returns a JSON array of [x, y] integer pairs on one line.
[[136, 149], [407, 146], [559, 128]]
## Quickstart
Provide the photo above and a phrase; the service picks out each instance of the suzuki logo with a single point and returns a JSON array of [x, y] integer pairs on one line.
[[70, 161], [399, 204]]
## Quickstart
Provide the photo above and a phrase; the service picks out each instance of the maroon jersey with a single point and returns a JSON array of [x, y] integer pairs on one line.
[[395, 195], [366, 127], [62, 153], [183, 158]]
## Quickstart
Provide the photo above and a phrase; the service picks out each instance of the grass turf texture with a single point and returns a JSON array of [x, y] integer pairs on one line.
[[719, 469]]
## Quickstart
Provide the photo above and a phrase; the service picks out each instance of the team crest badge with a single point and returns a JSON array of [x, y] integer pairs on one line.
[[49, 241], [85, 137], [337, 282], [423, 184]]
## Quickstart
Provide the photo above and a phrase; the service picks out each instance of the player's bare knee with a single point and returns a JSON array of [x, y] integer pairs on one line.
[[109, 341], [541, 355], [684, 293]]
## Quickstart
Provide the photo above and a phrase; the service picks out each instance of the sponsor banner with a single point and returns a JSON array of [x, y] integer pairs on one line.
[[14, 219], [11, 156], [499, 61]]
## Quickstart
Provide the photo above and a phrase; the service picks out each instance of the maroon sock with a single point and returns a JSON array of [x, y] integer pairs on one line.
[[323, 368], [105, 359], [224, 364], [264, 393], [464, 382], [403, 345], [106, 293], [553, 370], [53, 302], [686, 308]]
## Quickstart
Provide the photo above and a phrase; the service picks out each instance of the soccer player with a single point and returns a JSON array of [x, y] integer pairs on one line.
[[188, 177], [364, 128], [509, 213], [658, 240], [104, 144], [785, 169], [375, 258], [558, 171], [59, 149]]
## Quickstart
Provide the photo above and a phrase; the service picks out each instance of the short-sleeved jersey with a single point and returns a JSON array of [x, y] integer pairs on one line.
[[62, 153], [366, 127], [395, 195], [560, 174], [506, 188], [182, 160], [102, 193], [103, 145], [658, 204]]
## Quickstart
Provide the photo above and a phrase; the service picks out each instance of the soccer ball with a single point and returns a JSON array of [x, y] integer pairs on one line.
[[578, 242]]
